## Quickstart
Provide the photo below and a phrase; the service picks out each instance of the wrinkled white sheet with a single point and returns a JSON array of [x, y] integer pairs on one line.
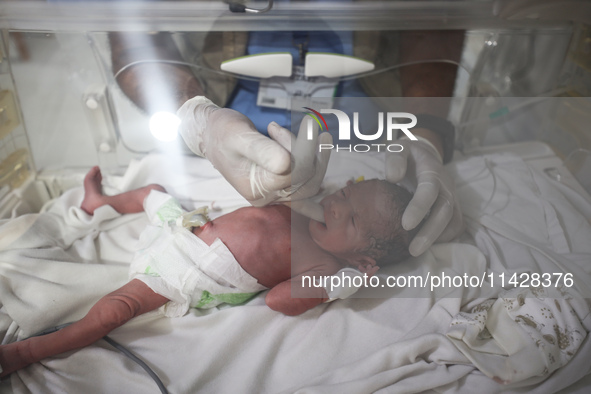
[[54, 265]]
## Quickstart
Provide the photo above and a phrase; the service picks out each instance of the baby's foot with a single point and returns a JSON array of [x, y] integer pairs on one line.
[[93, 196]]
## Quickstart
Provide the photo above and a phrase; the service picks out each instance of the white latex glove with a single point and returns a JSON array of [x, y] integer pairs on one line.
[[261, 169], [307, 168], [421, 164]]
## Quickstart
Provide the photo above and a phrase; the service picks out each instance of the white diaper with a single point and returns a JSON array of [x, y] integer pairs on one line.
[[178, 265]]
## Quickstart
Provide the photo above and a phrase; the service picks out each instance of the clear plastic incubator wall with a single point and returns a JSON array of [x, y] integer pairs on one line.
[[62, 111]]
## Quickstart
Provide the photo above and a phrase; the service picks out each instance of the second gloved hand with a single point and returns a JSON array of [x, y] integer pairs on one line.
[[434, 193]]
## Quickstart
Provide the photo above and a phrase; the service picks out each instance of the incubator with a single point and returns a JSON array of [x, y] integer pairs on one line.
[[63, 111], [523, 83]]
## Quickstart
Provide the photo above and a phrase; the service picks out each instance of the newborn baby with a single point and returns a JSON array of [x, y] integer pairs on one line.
[[232, 258]]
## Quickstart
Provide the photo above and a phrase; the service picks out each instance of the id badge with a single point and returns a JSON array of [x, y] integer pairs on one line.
[[296, 92]]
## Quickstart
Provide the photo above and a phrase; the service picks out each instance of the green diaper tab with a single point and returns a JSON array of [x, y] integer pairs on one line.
[[227, 298]]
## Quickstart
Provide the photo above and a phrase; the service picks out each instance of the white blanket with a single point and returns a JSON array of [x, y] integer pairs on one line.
[[53, 266]]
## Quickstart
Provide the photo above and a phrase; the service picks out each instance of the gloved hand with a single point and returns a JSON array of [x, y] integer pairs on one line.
[[420, 164], [308, 167], [261, 169]]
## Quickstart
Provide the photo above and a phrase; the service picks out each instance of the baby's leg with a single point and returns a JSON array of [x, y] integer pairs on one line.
[[110, 312], [128, 202]]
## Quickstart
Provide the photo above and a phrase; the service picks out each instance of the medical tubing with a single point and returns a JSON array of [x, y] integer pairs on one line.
[[179, 63], [225, 73], [191, 65], [142, 364], [400, 65], [119, 348], [50, 330]]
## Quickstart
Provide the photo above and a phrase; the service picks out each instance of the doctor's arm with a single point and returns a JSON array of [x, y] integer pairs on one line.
[[109, 313], [152, 86]]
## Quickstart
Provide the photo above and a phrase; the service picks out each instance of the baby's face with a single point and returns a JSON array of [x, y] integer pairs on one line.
[[349, 214]]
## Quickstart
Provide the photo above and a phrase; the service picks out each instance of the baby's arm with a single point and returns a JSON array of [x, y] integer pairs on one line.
[[280, 297], [110, 312], [128, 202]]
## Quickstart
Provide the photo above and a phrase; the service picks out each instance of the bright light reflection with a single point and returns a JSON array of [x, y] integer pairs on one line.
[[164, 126]]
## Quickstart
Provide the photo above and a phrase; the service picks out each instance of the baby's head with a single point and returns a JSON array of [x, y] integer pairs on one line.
[[364, 224]]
